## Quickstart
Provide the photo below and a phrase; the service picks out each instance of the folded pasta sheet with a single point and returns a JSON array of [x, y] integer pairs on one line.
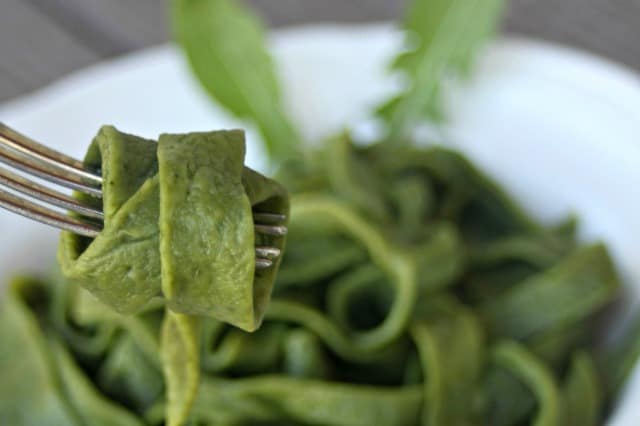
[[178, 225]]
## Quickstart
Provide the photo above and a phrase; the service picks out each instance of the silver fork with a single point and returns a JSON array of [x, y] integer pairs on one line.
[[24, 154]]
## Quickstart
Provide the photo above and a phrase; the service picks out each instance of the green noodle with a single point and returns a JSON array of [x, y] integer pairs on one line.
[[413, 292]]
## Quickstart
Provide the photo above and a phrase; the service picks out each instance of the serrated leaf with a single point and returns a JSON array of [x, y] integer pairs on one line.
[[433, 111], [443, 37]]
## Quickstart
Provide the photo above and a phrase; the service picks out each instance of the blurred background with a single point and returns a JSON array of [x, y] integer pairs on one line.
[[42, 40]]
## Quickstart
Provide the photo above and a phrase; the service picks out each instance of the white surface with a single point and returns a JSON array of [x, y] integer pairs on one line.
[[560, 129]]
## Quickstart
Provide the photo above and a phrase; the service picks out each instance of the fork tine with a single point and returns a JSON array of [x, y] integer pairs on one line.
[[24, 154], [27, 155], [264, 254], [43, 171], [276, 231], [46, 194], [269, 218], [50, 217], [263, 263], [30, 145], [268, 252]]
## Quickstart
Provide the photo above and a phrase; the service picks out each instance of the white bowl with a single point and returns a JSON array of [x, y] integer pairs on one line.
[[559, 128]]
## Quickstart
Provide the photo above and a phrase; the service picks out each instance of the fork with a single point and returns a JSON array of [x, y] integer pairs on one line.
[[26, 155]]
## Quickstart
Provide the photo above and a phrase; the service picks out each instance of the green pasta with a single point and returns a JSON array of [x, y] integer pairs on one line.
[[413, 290], [149, 247], [457, 309]]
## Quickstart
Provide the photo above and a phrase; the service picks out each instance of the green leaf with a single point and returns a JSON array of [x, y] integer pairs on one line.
[[443, 36], [225, 46]]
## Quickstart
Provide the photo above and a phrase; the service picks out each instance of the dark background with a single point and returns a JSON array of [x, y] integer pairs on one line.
[[41, 40]]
